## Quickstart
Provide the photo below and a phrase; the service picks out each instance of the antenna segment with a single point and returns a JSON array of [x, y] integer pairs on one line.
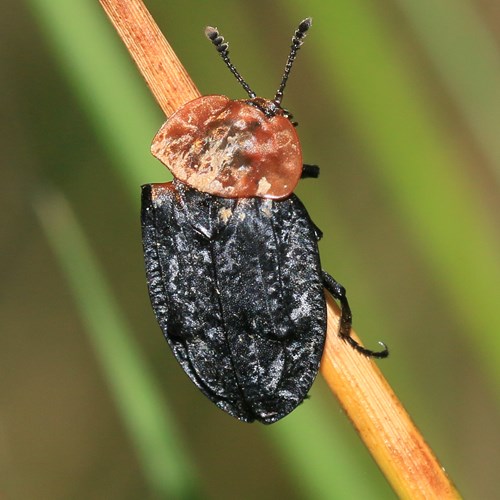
[[297, 41], [223, 48]]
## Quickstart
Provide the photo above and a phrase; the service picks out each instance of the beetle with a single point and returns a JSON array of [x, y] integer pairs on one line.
[[231, 254]]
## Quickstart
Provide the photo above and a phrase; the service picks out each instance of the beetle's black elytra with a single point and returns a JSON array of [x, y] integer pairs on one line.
[[231, 254]]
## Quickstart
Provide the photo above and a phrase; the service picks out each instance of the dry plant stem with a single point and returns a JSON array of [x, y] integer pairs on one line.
[[385, 427], [157, 62], [380, 419]]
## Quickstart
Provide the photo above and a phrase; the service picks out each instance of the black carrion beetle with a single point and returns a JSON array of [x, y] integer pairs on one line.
[[231, 253]]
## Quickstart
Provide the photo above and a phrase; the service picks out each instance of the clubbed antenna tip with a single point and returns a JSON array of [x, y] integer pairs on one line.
[[213, 35], [305, 24], [223, 49], [211, 32], [297, 41]]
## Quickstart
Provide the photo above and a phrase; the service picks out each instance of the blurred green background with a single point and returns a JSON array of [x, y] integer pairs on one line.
[[399, 103]]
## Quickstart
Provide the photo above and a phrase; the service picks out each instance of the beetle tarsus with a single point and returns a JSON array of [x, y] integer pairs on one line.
[[339, 293], [317, 231]]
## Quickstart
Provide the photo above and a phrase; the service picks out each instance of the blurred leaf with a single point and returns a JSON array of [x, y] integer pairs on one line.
[[133, 385], [112, 93], [321, 458], [467, 58]]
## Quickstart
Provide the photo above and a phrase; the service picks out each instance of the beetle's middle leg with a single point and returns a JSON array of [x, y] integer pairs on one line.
[[338, 292]]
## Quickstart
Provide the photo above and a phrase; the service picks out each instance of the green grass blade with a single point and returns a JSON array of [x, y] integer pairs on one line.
[[145, 414], [468, 60], [112, 93], [324, 456]]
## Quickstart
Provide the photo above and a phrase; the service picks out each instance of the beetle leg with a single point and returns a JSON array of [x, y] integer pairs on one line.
[[338, 292], [309, 171], [317, 231]]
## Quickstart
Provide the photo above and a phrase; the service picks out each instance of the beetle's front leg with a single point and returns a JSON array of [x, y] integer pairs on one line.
[[309, 171]]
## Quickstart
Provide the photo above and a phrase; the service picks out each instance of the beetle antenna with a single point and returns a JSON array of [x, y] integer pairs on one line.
[[223, 48], [297, 41]]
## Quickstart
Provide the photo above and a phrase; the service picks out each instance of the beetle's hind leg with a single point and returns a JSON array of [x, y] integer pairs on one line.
[[339, 293], [309, 171]]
